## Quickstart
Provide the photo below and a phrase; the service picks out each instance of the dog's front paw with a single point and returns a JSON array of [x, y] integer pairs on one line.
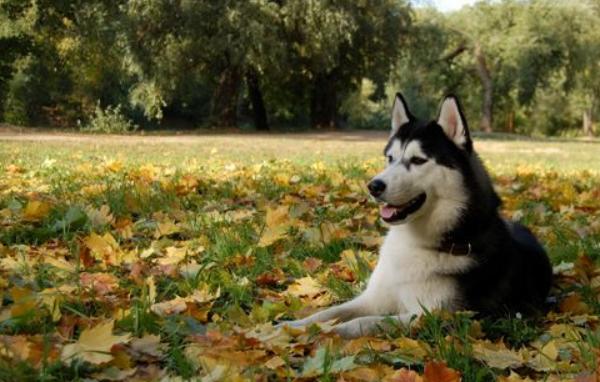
[[349, 330], [291, 324], [362, 326]]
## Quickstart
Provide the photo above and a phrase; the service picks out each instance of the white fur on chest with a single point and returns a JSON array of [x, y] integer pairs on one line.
[[409, 277]]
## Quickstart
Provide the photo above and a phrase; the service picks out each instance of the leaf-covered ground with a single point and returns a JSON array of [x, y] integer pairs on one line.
[[141, 261]]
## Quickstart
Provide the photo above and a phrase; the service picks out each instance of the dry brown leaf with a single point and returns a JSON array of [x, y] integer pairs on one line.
[[574, 304], [24, 301], [439, 372], [101, 283]]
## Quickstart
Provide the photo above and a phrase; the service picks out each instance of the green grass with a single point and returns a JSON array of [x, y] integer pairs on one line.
[[216, 191]]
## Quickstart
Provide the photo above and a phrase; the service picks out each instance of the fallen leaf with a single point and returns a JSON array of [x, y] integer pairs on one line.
[[101, 283], [173, 255], [36, 210], [439, 372], [497, 355], [24, 300], [574, 304], [94, 344], [275, 363], [147, 346], [514, 377], [403, 375]]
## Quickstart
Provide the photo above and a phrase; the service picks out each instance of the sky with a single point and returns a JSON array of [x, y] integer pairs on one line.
[[446, 5]]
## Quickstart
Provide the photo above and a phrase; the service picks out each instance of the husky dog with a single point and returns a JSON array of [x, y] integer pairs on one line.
[[447, 246]]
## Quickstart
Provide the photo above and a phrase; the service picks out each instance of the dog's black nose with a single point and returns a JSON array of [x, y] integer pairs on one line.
[[376, 187]]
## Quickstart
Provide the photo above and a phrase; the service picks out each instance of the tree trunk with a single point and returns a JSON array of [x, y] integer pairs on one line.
[[225, 98], [488, 89], [588, 122], [259, 112], [323, 105], [510, 122]]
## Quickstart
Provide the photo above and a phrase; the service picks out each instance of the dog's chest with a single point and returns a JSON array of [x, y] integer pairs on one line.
[[408, 277]]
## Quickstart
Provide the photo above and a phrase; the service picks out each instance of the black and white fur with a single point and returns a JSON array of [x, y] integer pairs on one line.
[[437, 196]]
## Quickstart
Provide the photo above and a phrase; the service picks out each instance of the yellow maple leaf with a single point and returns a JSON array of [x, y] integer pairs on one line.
[[305, 287], [51, 298], [60, 263], [94, 344], [416, 349], [36, 210], [271, 235], [173, 256], [101, 245], [276, 216], [497, 355], [277, 222], [165, 229], [310, 292]]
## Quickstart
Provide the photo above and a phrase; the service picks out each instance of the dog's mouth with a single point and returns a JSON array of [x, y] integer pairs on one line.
[[392, 213]]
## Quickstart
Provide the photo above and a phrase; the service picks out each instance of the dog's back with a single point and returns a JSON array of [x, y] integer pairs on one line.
[[512, 272]]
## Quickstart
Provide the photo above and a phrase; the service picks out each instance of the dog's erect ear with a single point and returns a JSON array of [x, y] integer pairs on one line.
[[400, 114], [453, 122]]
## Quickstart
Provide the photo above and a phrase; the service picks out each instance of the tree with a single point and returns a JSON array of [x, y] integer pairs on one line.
[[338, 43]]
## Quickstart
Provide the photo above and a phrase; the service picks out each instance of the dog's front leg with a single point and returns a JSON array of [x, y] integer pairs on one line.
[[343, 312], [370, 325]]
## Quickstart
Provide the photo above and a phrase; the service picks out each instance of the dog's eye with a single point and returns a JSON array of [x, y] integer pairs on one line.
[[390, 159], [417, 161]]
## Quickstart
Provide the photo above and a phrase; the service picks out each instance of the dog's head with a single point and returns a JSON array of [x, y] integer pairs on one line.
[[426, 164]]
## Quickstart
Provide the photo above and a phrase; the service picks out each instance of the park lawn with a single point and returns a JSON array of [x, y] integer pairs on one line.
[[149, 258]]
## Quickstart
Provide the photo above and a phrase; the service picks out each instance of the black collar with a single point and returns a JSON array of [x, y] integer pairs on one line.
[[455, 247]]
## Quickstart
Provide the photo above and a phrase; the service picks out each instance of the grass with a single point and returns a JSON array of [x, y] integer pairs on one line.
[[123, 228], [501, 155]]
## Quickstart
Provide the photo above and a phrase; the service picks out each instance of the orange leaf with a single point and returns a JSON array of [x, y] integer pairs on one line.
[[574, 305], [439, 372]]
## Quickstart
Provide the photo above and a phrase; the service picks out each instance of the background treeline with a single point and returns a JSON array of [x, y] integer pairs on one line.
[[519, 66]]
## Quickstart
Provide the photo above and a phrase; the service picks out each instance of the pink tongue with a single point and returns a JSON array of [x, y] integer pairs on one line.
[[387, 211]]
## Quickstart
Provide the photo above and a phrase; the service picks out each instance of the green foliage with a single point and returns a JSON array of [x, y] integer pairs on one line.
[[362, 111], [109, 121], [299, 62]]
